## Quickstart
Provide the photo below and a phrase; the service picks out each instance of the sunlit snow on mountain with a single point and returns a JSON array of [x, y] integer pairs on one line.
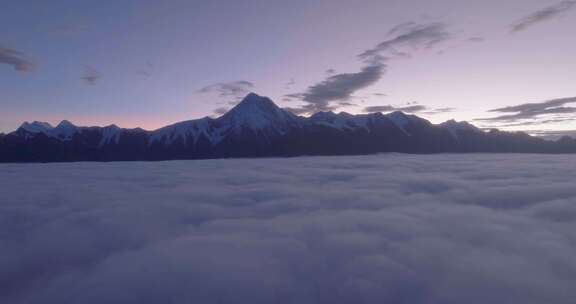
[[257, 127]]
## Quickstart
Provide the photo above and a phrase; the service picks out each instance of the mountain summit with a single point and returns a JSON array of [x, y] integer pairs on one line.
[[257, 127], [258, 113]]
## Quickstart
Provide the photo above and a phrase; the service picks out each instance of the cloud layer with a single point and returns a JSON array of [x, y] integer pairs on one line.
[[542, 15], [16, 59], [368, 229]]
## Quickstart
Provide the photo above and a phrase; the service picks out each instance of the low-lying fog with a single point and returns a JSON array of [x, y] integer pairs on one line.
[[368, 229]]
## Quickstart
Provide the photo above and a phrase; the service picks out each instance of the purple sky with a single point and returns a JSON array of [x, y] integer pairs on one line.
[[150, 63]]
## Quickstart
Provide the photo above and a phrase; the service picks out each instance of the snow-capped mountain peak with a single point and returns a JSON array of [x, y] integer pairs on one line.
[[65, 124], [399, 118], [110, 134], [458, 125], [454, 127], [64, 130], [37, 127], [257, 127], [256, 113]]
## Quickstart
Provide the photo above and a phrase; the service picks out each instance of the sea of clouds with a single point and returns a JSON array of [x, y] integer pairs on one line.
[[366, 229]]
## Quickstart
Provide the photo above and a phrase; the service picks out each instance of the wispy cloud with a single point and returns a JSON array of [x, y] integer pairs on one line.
[[410, 108], [16, 59], [404, 40], [290, 83], [534, 122], [330, 71], [91, 75], [220, 111], [234, 89], [66, 30], [476, 39], [548, 111], [408, 37], [146, 70], [340, 87], [553, 134], [542, 15], [296, 110], [438, 111], [390, 108]]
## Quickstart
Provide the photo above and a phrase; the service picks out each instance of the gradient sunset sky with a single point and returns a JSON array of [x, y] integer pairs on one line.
[[139, 63]]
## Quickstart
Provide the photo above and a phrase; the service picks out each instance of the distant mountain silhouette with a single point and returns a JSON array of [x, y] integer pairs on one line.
[[257, 127]]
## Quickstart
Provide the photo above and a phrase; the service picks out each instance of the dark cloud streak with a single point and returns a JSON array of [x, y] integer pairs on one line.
[[542, 15], [390, 108], [405, 39], [15, 59], [532, 110], [410, 36], [229, 89], [411, 108], [91, 75], [340, 87]]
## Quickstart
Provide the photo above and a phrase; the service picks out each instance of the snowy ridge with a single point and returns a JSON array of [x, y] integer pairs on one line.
[[187, 130], [345, 121], [254, 113], [37, 127], [455, 127], [110, 134], [401, 120], [256, 127], [65, 130]]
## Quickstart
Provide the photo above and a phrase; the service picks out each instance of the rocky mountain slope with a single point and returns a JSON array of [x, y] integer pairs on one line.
[[257, 127]]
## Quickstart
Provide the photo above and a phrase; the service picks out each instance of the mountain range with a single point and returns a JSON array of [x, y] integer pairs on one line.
[[257, 127]]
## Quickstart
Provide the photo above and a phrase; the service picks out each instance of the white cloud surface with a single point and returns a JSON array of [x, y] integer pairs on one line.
[[367, 229]]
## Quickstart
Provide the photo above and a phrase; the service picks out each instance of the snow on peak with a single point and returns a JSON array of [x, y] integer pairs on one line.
[[253, 103], [37, 127], [458, 124], [254, 112], [339, 121], [323, 115], [454, 127], [65, 124], [187, 130], [64, 130], [257, 113], [255, 98], [110, 134], [400, 119]]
